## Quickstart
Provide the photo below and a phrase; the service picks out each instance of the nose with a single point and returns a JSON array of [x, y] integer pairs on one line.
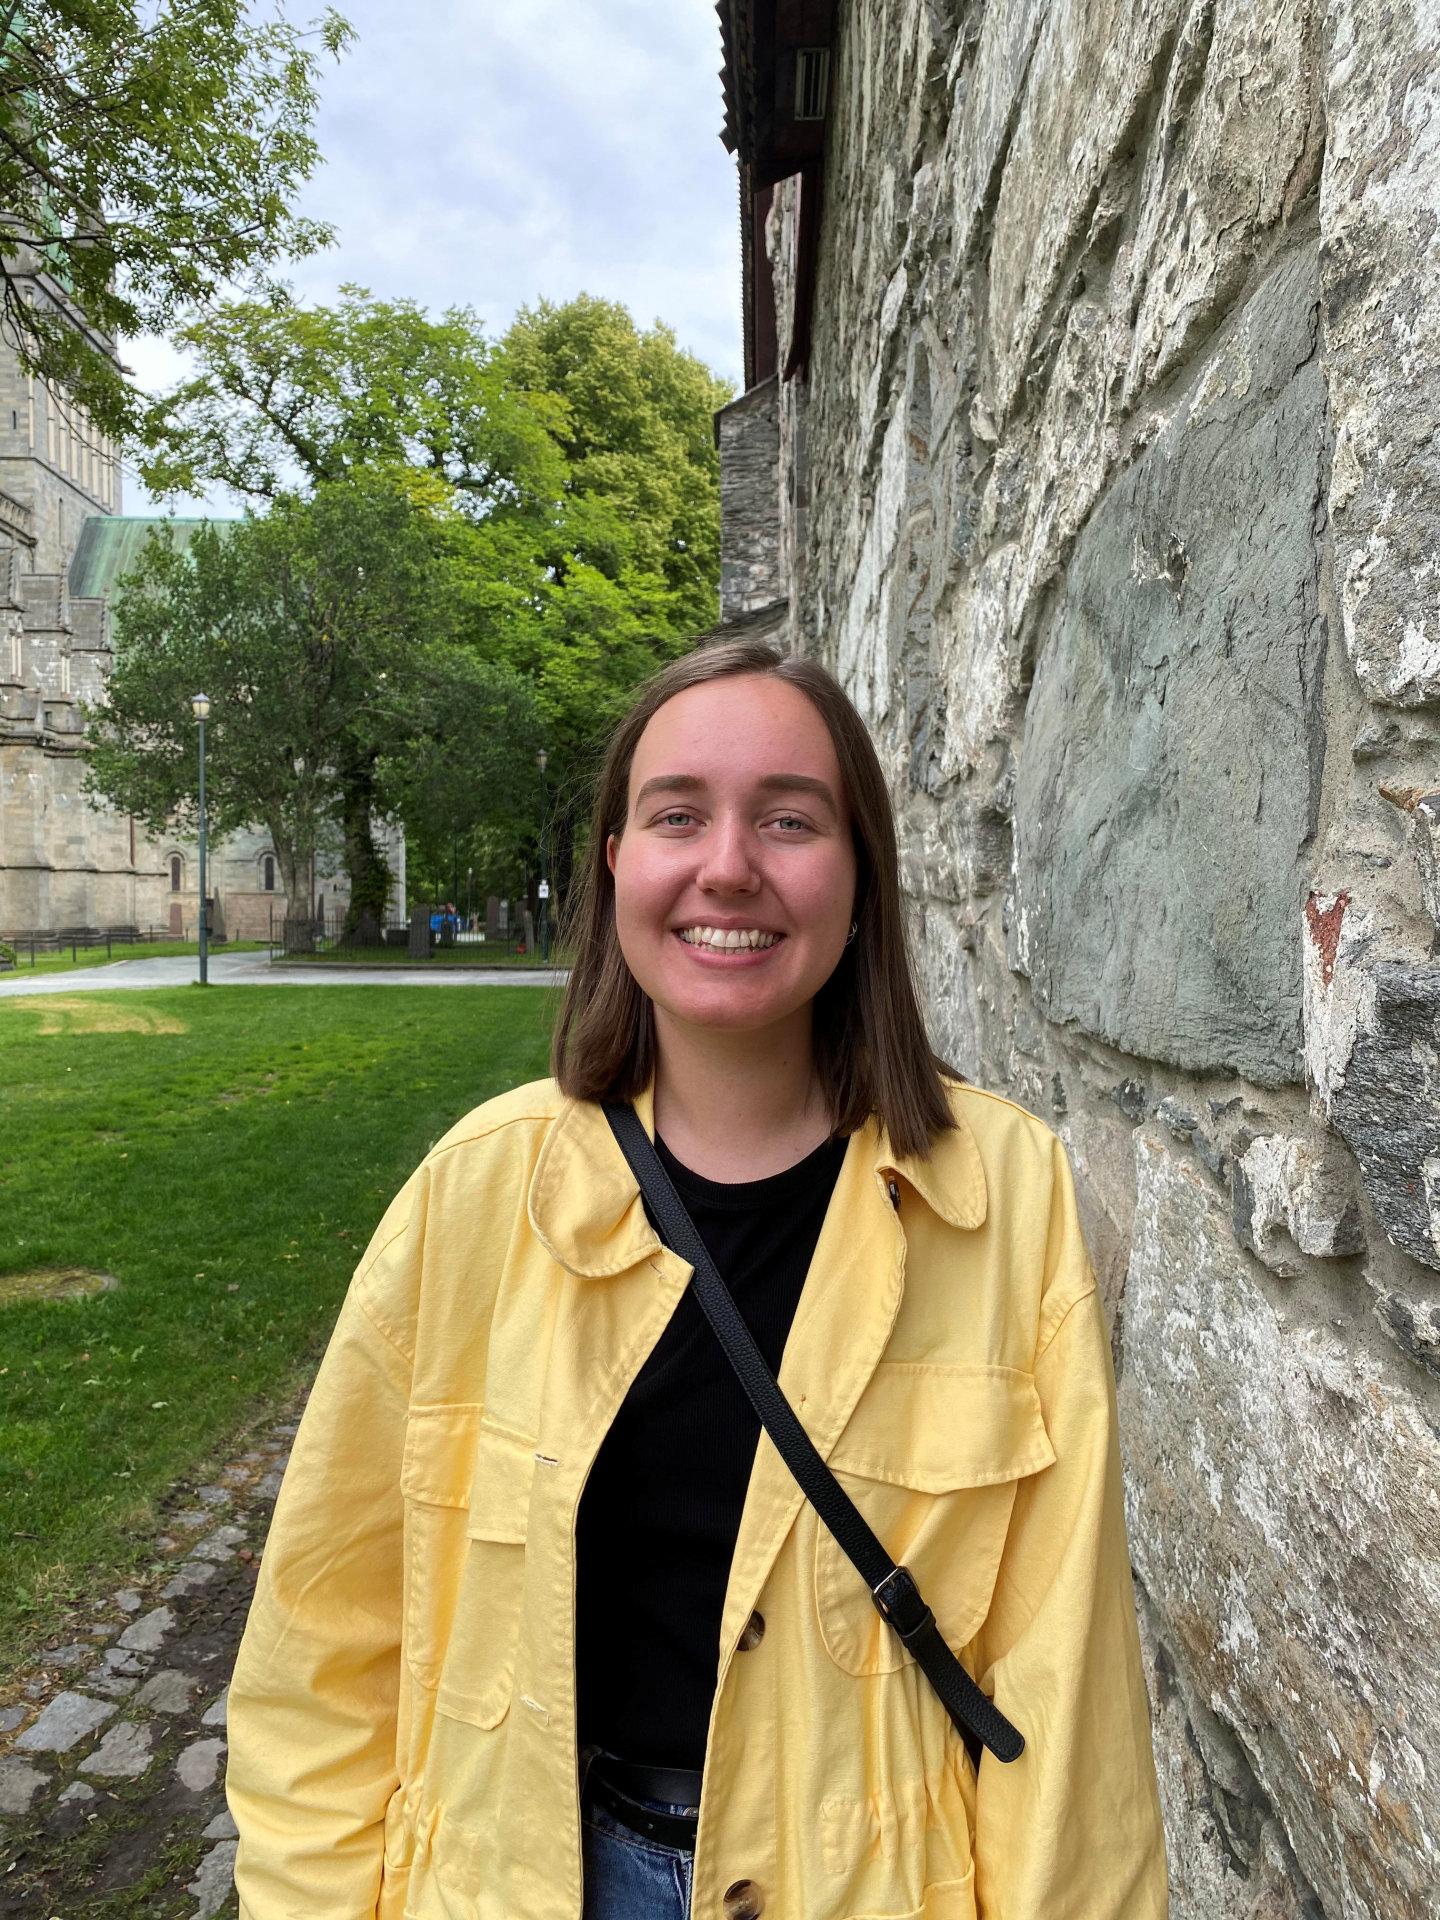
[[727, 863]]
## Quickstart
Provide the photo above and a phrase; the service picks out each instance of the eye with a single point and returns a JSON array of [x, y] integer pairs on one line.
[[676, 813], [794, 820]]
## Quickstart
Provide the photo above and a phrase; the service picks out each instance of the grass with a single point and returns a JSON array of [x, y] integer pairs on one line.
[[469, 955], [225, 1156], [141, 950]]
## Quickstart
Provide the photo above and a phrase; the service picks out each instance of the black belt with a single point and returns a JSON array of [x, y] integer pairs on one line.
[[612, 1784]]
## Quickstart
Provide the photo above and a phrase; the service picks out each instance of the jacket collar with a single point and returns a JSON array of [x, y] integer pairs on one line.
[[585, 1206]]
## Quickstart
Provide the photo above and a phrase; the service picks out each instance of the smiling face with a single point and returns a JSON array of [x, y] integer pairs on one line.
[[735, 875]]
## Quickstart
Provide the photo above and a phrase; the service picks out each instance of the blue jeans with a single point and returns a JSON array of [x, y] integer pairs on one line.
[[627, 1876]]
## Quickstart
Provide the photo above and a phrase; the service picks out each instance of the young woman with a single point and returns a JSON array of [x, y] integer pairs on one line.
[[545, 1629]]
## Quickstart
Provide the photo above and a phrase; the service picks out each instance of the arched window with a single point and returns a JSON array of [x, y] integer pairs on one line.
[[175, 872], [269, 867]]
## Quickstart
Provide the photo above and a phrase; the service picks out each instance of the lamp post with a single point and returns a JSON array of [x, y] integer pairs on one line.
[[200, 707], [540, 758]]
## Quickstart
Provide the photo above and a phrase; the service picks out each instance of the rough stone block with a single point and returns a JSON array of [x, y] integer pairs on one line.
[[215, 1881], [1294, 1197], [191, 1577], [123, 1754], [148, 1633], [1413, 1324], [1381, 278], [219, 1545], [68, 1719], [168, 1691], [1169, 771], [1285, 1522], [197, 1766], [1372, 1048], [19, 1785]]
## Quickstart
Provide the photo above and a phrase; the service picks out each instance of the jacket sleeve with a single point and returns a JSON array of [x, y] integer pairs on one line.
[[313, 1701], [1072, 1829]]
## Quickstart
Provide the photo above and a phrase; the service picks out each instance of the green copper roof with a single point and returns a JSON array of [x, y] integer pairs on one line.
[[110, 544]]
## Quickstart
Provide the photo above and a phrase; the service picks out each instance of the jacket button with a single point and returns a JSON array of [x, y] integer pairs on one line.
[[754, 1632], [743, 1900], [894, 1194]]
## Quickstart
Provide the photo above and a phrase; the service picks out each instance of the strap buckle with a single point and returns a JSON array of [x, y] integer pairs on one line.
[[897, 1599]]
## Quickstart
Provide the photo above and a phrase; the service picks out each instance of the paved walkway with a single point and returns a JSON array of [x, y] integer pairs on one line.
[[112, 1749], [255, 970]]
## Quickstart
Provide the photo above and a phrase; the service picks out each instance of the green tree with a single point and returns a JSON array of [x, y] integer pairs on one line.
[[633, 564], [286, 396], [312, 628], [641, 485], [577, 453], [149, 153]]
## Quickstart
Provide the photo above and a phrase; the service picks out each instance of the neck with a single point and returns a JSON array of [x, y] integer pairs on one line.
[[738, 1106]]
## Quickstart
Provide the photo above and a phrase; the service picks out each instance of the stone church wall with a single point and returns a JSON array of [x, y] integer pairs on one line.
[[67, 862], [1113, 493]]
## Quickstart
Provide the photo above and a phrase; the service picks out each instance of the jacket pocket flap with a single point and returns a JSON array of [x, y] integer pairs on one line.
[[935, 1427], [500, 1491], [439, 1455]]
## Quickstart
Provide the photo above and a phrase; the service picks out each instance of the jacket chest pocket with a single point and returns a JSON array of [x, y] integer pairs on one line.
[[467, 1508], [931, 1456]]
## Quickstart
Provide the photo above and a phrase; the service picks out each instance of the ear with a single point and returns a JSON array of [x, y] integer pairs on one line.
[[612, 847]]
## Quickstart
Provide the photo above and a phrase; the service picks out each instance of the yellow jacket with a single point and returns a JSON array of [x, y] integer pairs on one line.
[[402, 1713]]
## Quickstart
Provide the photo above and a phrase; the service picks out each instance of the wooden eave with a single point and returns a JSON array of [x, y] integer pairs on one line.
[[761, 43]]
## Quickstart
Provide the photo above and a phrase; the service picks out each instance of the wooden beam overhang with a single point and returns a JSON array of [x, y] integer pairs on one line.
[[776, 74]]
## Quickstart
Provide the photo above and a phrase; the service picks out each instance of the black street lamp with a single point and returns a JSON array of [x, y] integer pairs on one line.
[[540, 758], [200, 707]]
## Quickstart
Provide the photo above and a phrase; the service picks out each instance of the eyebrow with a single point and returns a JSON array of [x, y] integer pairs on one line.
[[767, 783]]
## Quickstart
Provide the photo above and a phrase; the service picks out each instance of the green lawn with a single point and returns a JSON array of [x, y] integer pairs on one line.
[[468, 955], [141, 950], [226, 1156]]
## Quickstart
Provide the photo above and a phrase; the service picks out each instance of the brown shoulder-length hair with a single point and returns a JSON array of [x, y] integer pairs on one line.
[[870, 1044]]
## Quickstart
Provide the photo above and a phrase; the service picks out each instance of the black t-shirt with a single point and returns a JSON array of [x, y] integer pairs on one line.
[[660, 1511]]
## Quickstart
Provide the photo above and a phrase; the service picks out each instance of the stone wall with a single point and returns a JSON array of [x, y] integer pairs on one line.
[[747, 435], [1113, 495]]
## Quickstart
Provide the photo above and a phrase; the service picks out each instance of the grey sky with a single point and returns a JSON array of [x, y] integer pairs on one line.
[[490, 154]]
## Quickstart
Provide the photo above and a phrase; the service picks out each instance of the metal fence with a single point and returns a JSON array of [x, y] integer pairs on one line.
[[448, 938], [78, 940]]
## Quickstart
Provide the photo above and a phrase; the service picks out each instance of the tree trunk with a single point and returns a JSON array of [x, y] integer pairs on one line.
[[366, 865], [298, 931]]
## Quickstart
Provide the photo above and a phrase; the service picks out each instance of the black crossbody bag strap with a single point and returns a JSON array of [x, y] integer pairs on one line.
[[892, 1588]]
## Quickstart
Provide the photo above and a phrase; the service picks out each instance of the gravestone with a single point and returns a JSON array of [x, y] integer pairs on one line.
[[419, 933]]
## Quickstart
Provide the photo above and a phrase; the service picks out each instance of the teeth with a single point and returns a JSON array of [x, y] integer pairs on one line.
[[723, 940]]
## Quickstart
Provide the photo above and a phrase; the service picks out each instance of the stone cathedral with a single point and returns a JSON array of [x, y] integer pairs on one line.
[[66, 863]]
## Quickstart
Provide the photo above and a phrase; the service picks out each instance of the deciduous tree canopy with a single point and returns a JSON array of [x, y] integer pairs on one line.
[[575, 456], [317, 630], [149, 154]]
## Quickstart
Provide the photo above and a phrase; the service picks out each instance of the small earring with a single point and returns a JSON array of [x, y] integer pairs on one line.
[[854, 929]]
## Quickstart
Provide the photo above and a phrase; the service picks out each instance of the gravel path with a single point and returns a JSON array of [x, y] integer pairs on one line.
[[112, 1749], [255, 970]]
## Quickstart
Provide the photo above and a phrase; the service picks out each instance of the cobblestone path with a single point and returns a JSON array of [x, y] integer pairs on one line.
[[112, 1749]]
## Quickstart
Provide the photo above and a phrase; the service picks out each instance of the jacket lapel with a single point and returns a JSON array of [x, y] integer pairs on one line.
[[585, 1207]]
